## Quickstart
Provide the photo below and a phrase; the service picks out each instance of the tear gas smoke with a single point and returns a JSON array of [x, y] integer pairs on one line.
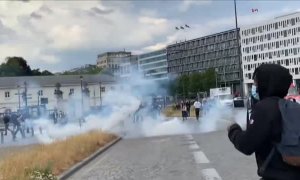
[[123, 104]]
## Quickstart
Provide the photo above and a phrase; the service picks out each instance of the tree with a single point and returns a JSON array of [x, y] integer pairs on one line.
[[17, 66], [188, 85]]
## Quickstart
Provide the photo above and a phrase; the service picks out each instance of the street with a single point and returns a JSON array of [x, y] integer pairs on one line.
[[207, 156]]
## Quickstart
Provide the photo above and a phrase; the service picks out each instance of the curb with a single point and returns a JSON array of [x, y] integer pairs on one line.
[[85, 161]]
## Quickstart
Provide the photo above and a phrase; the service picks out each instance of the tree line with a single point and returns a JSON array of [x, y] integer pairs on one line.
[[17, 66], [188, 85]]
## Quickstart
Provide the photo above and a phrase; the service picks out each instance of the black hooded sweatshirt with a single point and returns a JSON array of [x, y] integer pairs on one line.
[[273, 82]]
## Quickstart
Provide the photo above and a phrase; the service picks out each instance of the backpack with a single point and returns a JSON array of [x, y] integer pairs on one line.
[[289, 146]]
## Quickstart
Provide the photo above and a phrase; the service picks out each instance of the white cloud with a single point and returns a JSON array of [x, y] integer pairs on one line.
[[59, 27], [155, 47], [187, 4]]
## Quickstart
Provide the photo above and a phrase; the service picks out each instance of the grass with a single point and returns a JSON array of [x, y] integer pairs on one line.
[[171, 111], [60, 155]]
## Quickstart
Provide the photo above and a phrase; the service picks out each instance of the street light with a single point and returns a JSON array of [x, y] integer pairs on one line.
[[100, 94], [239, 51], [25, 96], [19, 100], [81, 78], [216, 70]]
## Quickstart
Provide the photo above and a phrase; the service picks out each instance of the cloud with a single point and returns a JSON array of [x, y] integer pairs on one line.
[[155, 47], [101, 11], [36, 15], [69, 27], [187, 4]]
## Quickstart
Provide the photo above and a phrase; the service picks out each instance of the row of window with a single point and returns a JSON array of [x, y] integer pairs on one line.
[[151, 54], [154, 65], [204, 49], [71, 92], [204, 65], [271, 36], [272, 54], [229, 53], [215, 62], [7, 93], [285, 62], [272, 26], [153, 59], [271, 45]]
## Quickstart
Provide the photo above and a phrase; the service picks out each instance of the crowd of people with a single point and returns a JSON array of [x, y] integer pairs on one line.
[[15, 123]]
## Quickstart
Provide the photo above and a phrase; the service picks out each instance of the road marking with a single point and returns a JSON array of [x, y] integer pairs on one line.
[[194, 146], [210, 174], [200, 157], [189, 137], [191, 142]]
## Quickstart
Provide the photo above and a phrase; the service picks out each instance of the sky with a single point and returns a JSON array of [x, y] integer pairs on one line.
[[61, 35]]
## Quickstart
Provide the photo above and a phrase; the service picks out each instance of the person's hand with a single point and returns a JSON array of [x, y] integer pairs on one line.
[[233, 126]]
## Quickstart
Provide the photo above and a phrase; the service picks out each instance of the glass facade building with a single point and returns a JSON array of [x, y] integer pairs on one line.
[[218, 51]]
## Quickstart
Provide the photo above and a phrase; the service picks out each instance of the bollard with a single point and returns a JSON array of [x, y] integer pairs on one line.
[[2, 137]]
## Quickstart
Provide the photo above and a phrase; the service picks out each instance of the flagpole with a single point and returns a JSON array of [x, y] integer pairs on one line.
[[239, 51]]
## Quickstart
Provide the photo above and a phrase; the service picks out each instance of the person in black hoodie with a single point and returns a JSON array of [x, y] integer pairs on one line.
[[264, 129]]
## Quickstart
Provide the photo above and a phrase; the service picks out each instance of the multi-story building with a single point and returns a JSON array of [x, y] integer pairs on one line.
[[153, 65], [58, 91], [113, 60], [129, 66], [273, 41], [218, 51]]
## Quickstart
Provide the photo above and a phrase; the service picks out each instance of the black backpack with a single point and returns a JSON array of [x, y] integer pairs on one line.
[[289, 146]]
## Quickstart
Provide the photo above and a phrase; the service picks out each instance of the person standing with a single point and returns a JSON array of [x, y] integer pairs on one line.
[[183, 111], [6, 120], [188, 108], [265, 129], [197, 106]]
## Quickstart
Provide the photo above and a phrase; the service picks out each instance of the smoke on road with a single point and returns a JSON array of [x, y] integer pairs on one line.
[[127, 110]]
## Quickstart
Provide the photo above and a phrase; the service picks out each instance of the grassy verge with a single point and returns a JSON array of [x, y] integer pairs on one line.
[[57, 157]]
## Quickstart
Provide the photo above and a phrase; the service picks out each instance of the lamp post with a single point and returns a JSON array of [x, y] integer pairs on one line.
[[239, 51], [25, 96], [216, 70], [39, 94], [19, 100], [100, 93], [81, 79]]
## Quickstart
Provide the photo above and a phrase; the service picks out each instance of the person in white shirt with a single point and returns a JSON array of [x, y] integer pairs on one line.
[[197, 106]]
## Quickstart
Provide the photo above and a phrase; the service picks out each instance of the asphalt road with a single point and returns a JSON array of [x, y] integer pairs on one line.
[[207, 156]]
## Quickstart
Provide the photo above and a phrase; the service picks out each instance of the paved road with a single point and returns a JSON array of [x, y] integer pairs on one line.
[[183, 157]]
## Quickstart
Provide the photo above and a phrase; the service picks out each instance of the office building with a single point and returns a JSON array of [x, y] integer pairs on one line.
[[273, 41]]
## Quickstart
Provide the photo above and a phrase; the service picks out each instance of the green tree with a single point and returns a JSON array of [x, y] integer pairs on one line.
[[17, 66]]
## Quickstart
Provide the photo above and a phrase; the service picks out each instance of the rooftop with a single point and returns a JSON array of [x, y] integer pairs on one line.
[[43, 81]]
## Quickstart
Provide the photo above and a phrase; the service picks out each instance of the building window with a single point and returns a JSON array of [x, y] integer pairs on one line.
[[7, 94]]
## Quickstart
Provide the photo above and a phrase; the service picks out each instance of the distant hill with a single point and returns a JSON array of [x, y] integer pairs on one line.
[[86, 69]]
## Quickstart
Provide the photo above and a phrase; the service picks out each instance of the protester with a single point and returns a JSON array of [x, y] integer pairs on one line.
[[183, 111], [188, 108], [6, 120], [271, 83], [14, 119], [197, 106]]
